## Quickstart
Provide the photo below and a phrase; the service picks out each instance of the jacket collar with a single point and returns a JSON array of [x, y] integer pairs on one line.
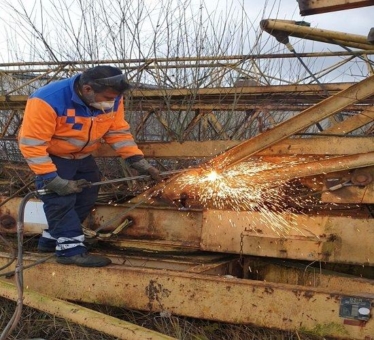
[[74, 95]]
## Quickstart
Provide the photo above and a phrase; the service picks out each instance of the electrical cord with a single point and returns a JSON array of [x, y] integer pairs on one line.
[[19, 268]]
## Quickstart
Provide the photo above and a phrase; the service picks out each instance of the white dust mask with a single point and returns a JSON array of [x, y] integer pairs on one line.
[[103, 105]]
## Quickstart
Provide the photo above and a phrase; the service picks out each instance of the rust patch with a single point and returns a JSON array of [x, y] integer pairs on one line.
[[332, 238], [7, 222], [269, 290], [296, 292], [308, 295], [335, 296], [350, 322], [155, 292]]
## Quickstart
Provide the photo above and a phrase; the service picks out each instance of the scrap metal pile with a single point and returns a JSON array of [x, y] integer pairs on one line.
[[273, 229]]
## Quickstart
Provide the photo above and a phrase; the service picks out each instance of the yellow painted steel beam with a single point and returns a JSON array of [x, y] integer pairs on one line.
[[265, 103], [227, 299], [294, 88], [216, 125], [120, 329], [212, 264], [188, 149], [7, 102], [280, 175], [309, 7], [326, 238], [336, 239], [323, 145], [199, 114], [304, 274], [178, 228], [352, 123], [311, 168], [320, 146], [273, 26]]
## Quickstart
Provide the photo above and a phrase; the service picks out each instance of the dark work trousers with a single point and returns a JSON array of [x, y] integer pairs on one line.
[[66, 213]]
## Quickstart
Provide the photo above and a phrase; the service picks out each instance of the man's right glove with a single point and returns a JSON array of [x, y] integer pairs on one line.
[[65, 187], [144, 168]]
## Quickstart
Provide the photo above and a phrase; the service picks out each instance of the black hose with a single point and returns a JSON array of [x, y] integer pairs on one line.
[[19, 268]]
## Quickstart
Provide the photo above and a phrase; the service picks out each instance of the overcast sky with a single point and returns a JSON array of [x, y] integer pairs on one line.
[[356, 21]]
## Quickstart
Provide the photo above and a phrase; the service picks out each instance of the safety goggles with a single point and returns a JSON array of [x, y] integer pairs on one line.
[[115, 81]]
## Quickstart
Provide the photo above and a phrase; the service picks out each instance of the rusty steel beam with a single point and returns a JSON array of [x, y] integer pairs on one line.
[[227, 299], [291, 28], [210, 264], [310, 168], [304, 274], [324, 145], [334, 239], [315, 114], [151, 223], [154, 98], [117, 328], [352, 123], [278, 176], [320, 146], [224, 91], [282, 131]]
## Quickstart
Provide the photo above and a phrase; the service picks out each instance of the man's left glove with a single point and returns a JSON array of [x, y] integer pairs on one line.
[[144, 168], [64, 187]]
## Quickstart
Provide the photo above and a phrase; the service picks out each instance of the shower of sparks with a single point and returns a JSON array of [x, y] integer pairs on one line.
[[242, 188], [212, 176]]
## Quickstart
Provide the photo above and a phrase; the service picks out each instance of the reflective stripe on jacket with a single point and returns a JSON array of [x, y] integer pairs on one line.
[[57, 122]]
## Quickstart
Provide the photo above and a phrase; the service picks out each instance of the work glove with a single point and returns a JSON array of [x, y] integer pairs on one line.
[[144, 168], [65, 187]]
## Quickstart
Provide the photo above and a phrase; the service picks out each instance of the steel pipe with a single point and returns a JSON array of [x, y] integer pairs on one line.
[[290, 28]]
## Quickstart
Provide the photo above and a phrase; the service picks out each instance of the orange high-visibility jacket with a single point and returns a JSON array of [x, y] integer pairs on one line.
[[57, 122]]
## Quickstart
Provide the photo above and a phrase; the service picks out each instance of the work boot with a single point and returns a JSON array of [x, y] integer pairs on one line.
[[84, 260]]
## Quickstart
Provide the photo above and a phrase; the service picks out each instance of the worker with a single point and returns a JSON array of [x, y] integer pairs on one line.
[[64, 123]]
